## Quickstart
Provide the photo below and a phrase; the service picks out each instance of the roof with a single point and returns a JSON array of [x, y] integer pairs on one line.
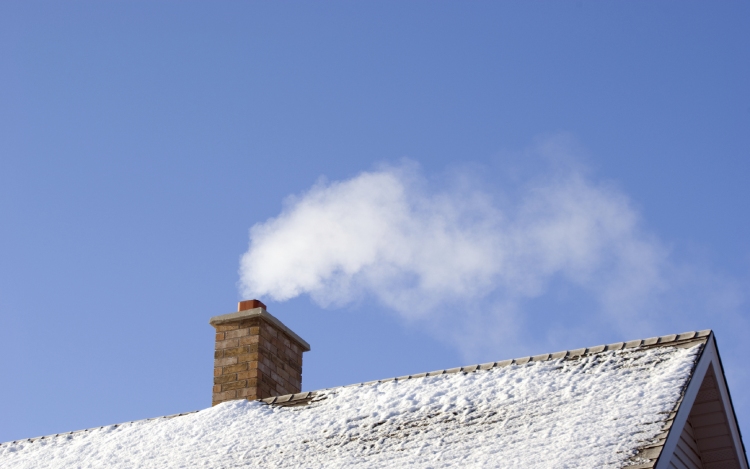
[[605, 406]]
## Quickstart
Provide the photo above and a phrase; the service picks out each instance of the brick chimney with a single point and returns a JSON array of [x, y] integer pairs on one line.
[[256, 356]]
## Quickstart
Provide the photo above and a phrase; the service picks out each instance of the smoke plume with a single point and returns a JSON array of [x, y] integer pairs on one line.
[[388, 234]]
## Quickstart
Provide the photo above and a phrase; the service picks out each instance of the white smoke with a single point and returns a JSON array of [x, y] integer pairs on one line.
[[388, 234]]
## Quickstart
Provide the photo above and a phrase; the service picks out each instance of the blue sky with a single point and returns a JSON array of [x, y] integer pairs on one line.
[[140, 142]]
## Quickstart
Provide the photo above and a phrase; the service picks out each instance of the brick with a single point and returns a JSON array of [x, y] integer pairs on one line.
[[293, 366], [248, 393], [248, 357], [252, 348], [222, 344], [219, 336], [225, 361], [217, 371], [237, 333], [225, 378], [250, 374], [233, 352], [218, 353], [217, 388], [233, 385], [235, 368], [251, 339], [227, 327], [219, 396]]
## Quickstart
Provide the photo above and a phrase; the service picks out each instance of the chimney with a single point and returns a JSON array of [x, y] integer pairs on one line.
[[256, 355]]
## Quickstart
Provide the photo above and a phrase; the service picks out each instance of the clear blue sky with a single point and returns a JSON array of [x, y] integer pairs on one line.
[[140, 141]]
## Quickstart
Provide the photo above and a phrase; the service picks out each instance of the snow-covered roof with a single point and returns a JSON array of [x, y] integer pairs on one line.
[[606, 406]]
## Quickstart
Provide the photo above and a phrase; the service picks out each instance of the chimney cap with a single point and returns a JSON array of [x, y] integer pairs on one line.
[[250, 304], [258, 312]]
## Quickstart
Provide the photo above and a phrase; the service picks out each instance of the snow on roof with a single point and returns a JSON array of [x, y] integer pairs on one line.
[[591, 408]]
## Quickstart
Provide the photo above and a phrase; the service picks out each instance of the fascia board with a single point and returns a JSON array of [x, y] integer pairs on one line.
[[686, 405]]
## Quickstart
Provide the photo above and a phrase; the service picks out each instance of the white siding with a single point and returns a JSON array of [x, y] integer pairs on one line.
[[706, 440], [711, 429], [687, 454]]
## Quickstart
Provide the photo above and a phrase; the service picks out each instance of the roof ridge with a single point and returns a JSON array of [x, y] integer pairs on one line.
[[671, 339], [302, 398]]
